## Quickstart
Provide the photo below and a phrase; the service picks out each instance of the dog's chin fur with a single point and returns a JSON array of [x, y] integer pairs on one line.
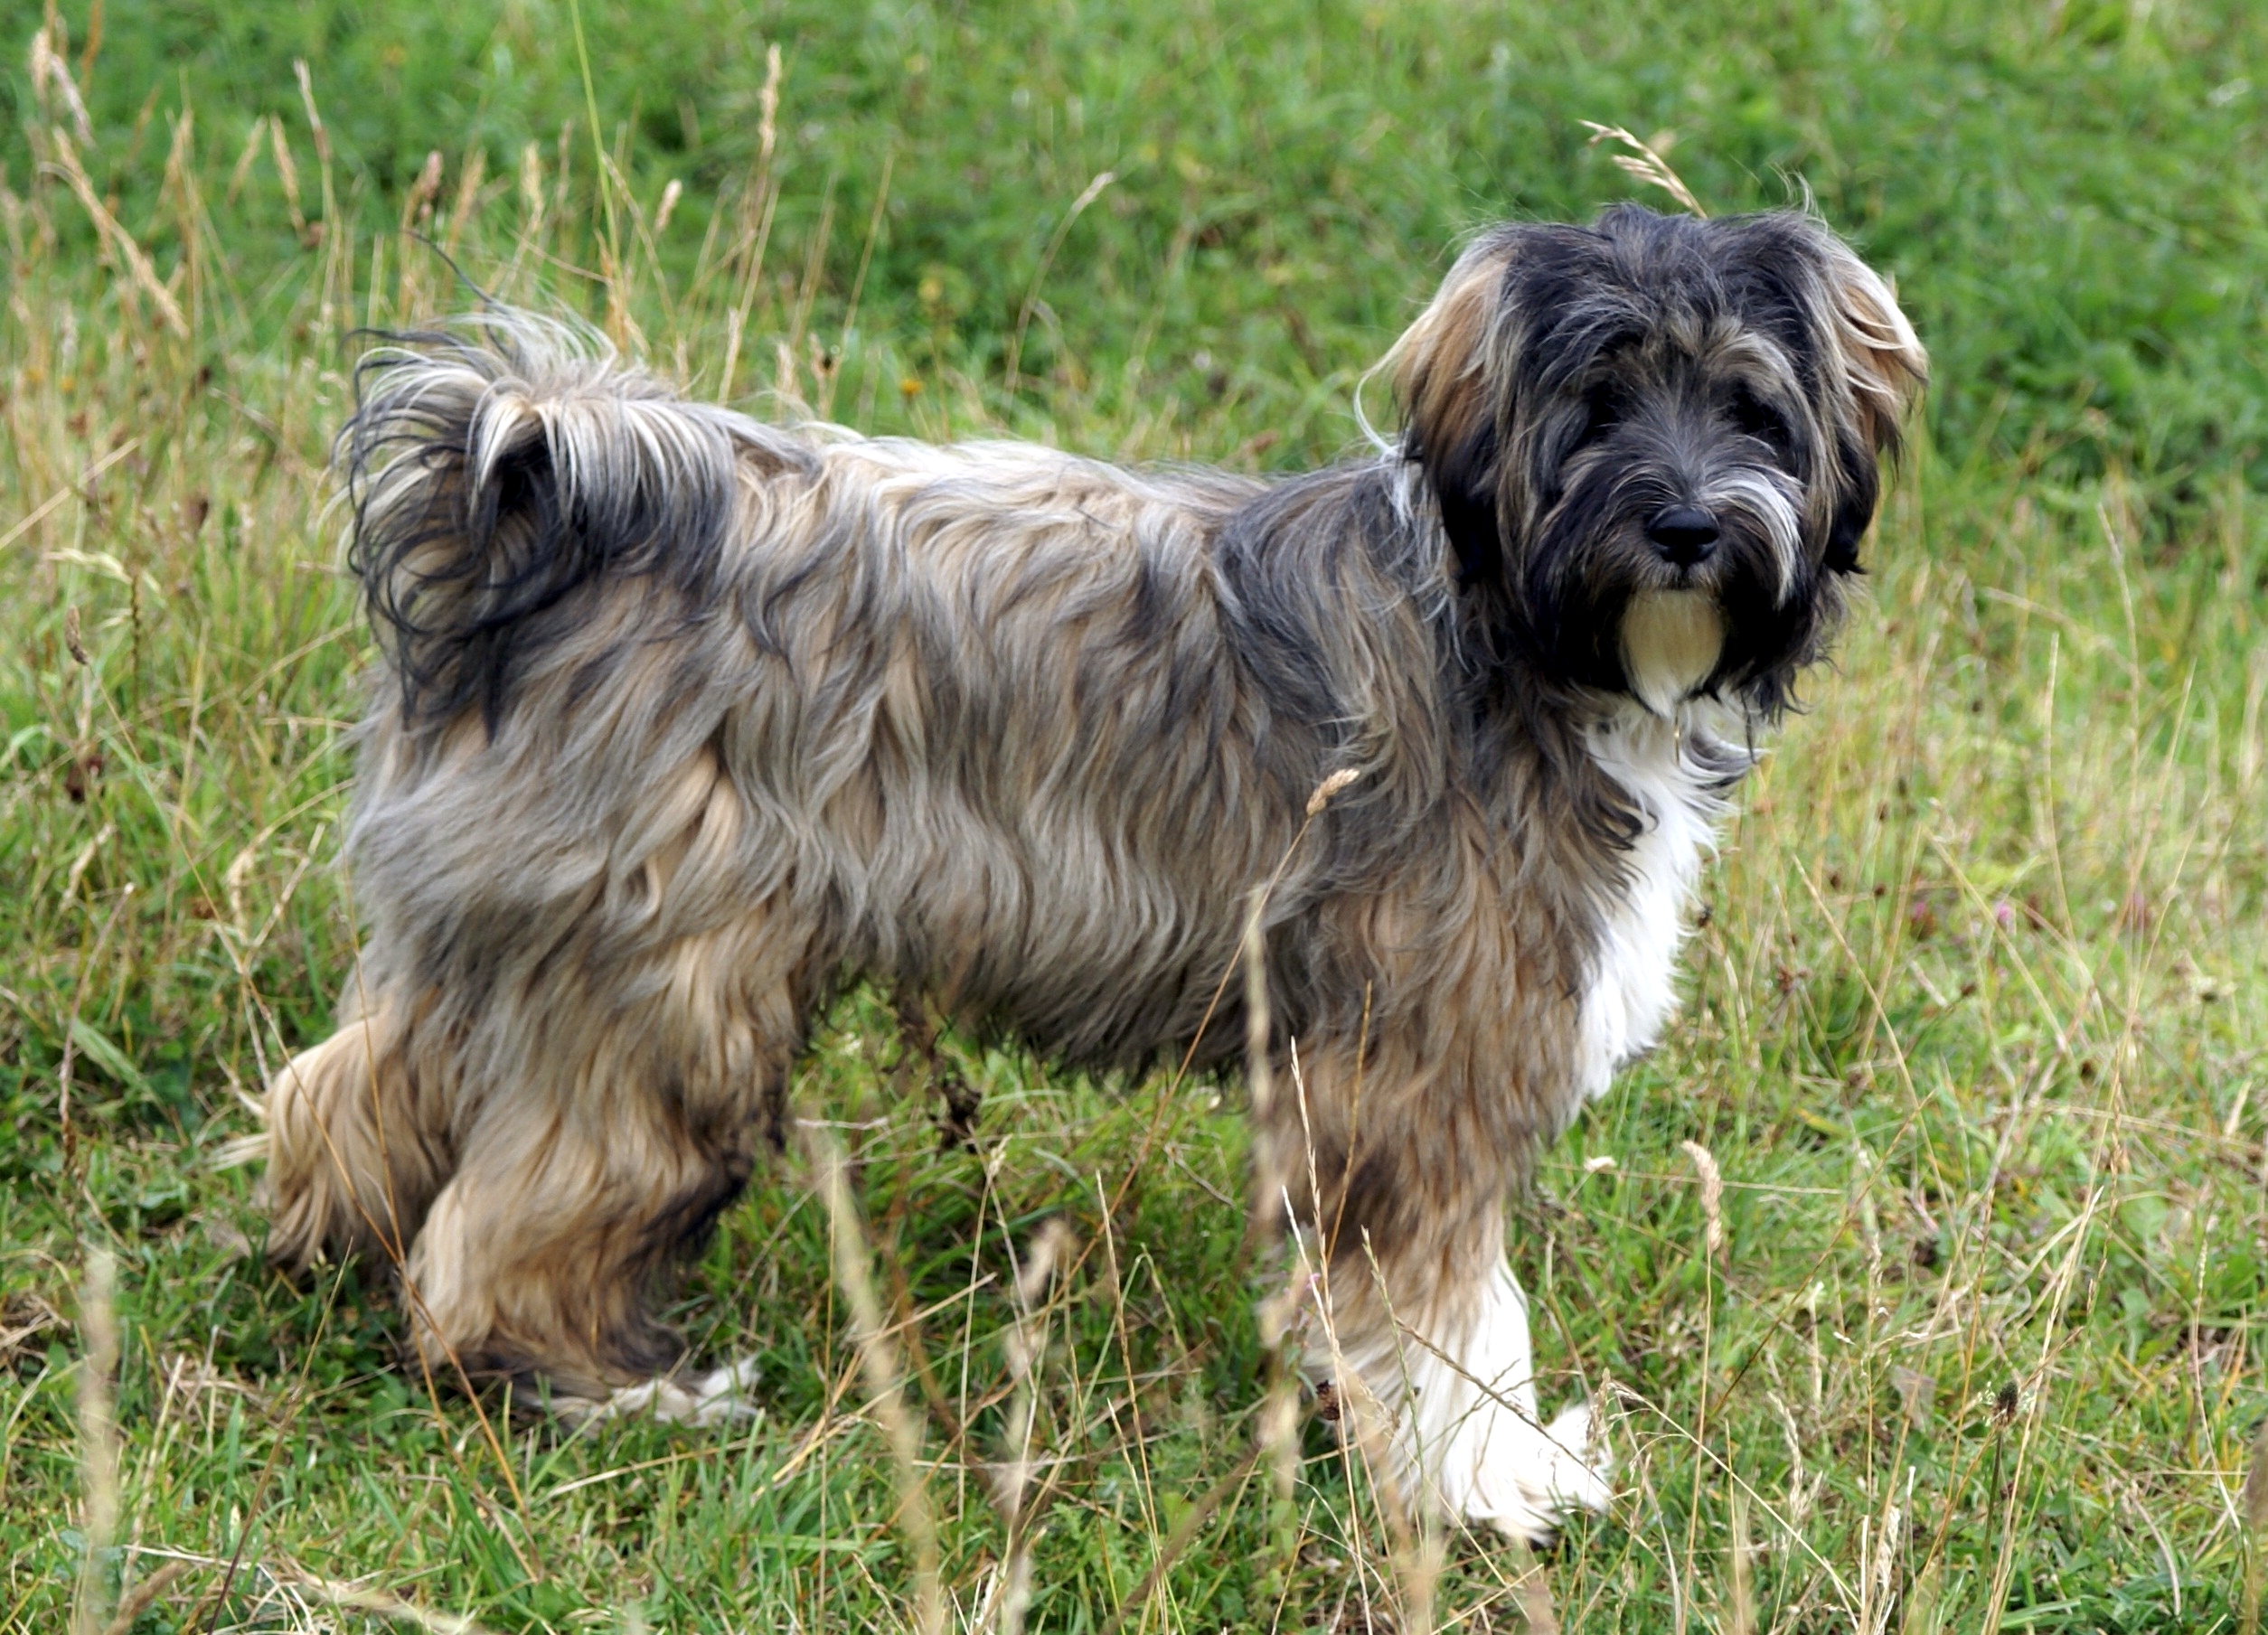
[[1673, 641], [682, 720]]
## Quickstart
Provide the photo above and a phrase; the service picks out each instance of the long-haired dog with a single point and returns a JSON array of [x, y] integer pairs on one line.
[[685, 720]]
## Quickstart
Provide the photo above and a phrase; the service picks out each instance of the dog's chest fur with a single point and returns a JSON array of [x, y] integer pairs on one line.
[[1632, 988]]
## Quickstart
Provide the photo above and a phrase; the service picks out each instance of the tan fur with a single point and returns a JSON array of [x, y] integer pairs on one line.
[[1883, 357]]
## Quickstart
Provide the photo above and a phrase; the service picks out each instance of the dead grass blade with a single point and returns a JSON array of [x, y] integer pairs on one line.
[[1645, 163], [97, 1439], [885, 1377]]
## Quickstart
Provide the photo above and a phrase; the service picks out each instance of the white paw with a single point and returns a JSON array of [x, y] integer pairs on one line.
[[1580, 1467], [713, 1399], [1503, 1469], [1471, 1428]]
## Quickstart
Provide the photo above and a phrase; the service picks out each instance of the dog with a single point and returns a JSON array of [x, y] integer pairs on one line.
[[682, 721]]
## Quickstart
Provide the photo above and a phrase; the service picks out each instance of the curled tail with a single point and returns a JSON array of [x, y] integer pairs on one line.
[[497, 464]]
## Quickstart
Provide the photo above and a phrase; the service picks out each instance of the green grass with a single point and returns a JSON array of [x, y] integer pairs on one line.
[[1976, 1021]]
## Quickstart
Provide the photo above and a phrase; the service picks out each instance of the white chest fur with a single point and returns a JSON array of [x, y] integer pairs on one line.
[[1632, 991]]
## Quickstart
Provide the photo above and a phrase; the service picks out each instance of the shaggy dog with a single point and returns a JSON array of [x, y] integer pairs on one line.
[[686, 721]]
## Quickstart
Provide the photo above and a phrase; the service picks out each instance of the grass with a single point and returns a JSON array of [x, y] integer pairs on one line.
[[1976, 1018]]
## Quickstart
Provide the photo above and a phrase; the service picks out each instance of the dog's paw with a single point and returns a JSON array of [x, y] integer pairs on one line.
[[716, 1398], [1578, 1468], [1525, 1479]]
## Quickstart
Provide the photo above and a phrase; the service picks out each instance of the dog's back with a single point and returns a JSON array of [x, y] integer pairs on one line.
[[974, 719]]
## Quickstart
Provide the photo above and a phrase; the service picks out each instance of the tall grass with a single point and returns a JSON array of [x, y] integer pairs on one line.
[[1922, 1266]]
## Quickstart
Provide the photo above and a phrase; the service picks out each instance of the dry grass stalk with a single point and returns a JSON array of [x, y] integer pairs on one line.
[[50, 75], [1645, 163], [759, 200], [767, 106], [1740, 1610], [468, 182], [1260, 1085], [1052, 1249], [1282, 1316], [338, 272], [885, 1377], [77, 489], [1880, 1572], [286, 172], [1258, 1071], [97, 1439], [66, 161], [1259, 1076], [142, 1596], [832, 377], [383, 1603], [532, 191], [419, 204], [315, 119], [1329, 788], [1092, 191]]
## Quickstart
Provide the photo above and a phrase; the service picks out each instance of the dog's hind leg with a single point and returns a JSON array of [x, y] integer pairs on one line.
[[581, 1186], [357, 1142], [539, 1259]]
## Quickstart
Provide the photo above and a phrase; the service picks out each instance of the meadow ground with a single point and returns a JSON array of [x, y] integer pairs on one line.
[[1976, 1022]]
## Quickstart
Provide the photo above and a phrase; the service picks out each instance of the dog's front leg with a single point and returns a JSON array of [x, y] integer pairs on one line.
[[1442, 1383], [1415, 1318]]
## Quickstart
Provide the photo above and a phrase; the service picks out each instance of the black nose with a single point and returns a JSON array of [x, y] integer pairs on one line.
[[1686, 534]]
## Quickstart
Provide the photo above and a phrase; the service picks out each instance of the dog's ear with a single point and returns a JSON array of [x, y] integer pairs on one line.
[[1882, 368], [1883, 364], [1447, 371]]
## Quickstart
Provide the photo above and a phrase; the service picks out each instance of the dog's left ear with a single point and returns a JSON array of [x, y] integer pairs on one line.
[[1884, 365], [1445, 367], [1882, 369]]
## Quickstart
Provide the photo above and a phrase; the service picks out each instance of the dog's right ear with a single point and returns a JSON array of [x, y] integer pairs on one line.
[[1451, 385]]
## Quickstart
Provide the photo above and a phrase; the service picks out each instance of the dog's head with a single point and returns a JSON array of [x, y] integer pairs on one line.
[[1654, 442]]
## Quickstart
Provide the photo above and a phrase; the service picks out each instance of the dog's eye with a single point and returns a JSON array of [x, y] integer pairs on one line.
[[1602, 412], [1757, 418]]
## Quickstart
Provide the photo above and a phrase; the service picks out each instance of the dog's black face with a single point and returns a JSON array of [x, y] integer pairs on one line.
[[1654, 443]]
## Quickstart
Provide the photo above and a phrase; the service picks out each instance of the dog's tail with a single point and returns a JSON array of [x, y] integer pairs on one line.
[[500, 463]]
